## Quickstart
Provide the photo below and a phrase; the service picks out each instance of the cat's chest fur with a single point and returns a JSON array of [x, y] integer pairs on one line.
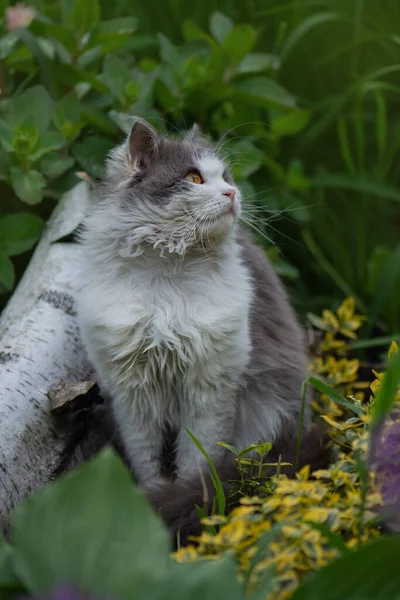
[[174, 333]]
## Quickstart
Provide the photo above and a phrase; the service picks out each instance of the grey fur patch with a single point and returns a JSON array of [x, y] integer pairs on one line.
[[159, 180], [64, 302]]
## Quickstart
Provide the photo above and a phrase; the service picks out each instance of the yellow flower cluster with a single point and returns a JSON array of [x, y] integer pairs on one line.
[[307, 521]]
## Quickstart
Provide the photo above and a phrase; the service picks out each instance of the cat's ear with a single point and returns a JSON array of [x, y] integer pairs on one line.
[[143, 142], [196, 137]]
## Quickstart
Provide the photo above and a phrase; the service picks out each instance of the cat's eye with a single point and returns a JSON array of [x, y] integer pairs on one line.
[[194, 177]]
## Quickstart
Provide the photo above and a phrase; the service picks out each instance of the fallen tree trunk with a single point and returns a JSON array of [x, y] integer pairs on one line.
[[39, 345]]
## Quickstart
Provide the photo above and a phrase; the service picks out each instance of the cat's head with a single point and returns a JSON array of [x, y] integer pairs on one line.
[[173, 194]]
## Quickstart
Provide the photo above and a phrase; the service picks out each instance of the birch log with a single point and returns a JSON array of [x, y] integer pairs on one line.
[[39, 345]]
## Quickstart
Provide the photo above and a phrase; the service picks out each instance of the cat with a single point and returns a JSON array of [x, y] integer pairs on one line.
[[184, 319]]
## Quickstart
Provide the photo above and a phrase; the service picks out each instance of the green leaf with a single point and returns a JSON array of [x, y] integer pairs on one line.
[[7, 44], [369, 573], [169, 53], [360, 183], [96, 529], [71, 76], [28, 186], [85, 15], [219, 489], [264, 92], [123, 120], [19, 232], [256, 62], [334, 395], [118, 78], [46, 71], [47, 143], [7, 575], [305, 27], [290, 123], [35, 102], [239, 42], [25, 137], [6, 136], [67, 116], [389, 278], [119, 26], [374, 342], [91, 153], [295, 178], [220, 26], [386, 394], [52, 165], [7, 276]]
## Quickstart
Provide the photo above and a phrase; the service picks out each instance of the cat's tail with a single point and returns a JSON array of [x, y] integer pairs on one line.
[[176, 501]]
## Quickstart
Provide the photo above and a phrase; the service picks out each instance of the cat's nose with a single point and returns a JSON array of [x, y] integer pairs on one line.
[[231, 193]]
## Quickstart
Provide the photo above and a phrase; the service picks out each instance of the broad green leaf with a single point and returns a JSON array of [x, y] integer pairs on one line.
[[239, 42], [334, 395], [67, 116], [28, 186], [220, 26], [6, 136], [71, 76], [5, 162], [96, 117], [123, 120], [25, 137], [91, 153], [96, 530], [7, 44], [19, 232], [47, 143], [66, 11], [7, 575], [256, 62], [35, 102], [46, 70], [119, 78], [264, 92], [169, 53], [119, 26], [360, 183], [291, 122], [52, 165], [85, 15], [6, 273], [369, 573]]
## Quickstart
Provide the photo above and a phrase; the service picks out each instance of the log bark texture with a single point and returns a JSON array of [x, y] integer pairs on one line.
[[39, 345]]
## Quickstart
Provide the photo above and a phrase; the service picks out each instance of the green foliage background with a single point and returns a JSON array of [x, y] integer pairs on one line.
[[305, 93]]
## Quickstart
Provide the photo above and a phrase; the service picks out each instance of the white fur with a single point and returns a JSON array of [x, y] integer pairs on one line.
[[167, 327]]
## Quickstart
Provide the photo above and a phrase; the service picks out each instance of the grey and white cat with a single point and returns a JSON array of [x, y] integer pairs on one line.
[[184, 319]]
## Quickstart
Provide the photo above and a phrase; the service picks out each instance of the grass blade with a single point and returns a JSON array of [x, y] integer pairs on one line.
[[217, 483], [334, 395]]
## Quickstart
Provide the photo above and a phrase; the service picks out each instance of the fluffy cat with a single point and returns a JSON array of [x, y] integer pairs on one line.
[[183, 317]]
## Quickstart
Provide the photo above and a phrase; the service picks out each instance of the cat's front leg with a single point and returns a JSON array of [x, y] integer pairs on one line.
[[142, 439], [210, 416]]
